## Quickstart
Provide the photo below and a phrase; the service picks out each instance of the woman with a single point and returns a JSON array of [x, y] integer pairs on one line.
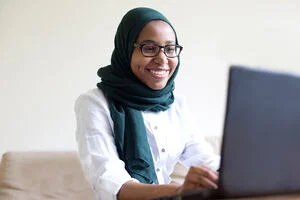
[[132, 129]]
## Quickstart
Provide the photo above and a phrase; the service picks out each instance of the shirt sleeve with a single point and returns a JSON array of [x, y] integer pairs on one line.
[[97, 151], [197, 150]]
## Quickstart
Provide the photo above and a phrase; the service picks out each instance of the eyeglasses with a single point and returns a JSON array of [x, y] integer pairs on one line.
[[152, 50]]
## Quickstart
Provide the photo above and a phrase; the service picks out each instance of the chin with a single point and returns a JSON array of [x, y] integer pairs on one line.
[[157, 87]]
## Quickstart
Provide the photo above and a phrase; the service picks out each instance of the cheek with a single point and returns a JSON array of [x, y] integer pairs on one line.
[[138, 62], [173, 63], [134, 63], [136, 67]]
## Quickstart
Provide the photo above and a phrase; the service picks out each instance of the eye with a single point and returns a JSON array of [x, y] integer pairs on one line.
[[148, 48], [170, 49]]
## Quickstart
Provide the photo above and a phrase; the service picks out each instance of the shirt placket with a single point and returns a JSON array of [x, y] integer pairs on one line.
[[161, 142]]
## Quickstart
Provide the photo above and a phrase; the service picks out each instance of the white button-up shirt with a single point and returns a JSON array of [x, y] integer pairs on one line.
[[172, 137]]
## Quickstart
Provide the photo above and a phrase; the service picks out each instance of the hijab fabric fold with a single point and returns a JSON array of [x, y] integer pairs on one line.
[[128, 96]]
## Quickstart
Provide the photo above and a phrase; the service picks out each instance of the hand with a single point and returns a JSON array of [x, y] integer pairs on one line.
[[199, 177]]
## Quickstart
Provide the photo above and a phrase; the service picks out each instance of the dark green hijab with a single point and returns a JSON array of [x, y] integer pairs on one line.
[[128, 96]]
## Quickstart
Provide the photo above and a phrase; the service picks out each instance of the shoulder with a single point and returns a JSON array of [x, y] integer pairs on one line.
[[91, 98], [180, 101]]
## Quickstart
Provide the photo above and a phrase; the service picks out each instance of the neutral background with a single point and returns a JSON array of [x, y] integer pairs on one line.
[[50, 51]]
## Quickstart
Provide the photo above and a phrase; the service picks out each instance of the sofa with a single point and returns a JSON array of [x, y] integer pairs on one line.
[[59, 176], [42, 176]]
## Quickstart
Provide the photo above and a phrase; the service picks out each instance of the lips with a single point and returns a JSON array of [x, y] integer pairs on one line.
[[159, 73]]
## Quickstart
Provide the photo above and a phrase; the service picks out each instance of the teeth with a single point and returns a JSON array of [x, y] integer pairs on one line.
[[160, 73]]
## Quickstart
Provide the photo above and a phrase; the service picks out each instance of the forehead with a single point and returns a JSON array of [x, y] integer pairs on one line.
[[157, 31]]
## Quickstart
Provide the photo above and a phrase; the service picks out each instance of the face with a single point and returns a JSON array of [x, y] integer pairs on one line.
[[154, 71]]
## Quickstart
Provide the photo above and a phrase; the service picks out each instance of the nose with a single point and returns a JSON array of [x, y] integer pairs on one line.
[[161, 57]]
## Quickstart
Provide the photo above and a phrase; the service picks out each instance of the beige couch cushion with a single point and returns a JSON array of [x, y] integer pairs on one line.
[[42, 176]]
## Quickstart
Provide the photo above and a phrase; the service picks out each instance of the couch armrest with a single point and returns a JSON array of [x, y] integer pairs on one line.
[[42, 175]]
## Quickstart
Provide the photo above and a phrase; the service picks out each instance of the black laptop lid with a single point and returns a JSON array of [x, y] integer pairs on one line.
[[261, 139]]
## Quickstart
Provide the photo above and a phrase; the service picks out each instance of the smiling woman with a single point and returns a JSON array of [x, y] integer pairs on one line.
[[152, 65], [132, 129]]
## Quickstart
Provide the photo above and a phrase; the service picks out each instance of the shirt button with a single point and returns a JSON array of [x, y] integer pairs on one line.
[[163, 150], [157, 169], [155, 127]]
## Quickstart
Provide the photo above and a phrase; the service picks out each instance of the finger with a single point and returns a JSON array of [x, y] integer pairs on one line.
[[199, 181], [201, 176], [210, 169], [204, 179], [206, 183], [209, 173]]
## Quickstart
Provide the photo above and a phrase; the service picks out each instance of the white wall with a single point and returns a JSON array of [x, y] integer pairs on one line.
[[50, 52]]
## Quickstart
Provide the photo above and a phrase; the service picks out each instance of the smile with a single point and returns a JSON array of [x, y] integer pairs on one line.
[[159, 73]]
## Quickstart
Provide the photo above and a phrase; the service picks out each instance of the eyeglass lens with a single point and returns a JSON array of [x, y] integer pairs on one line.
[[153, 50]]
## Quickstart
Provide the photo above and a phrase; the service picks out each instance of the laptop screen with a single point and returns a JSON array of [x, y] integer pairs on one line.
[[260, 148]]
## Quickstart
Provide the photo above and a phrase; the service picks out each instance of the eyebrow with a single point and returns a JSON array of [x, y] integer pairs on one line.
[[151, 41]]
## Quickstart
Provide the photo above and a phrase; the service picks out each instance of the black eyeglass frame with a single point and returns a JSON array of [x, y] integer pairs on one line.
[[140, 46]]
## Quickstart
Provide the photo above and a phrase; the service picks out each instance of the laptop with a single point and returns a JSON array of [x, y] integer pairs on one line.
[[260, 153]]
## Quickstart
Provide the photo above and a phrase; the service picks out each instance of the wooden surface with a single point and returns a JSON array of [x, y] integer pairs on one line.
[[277, 197]]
